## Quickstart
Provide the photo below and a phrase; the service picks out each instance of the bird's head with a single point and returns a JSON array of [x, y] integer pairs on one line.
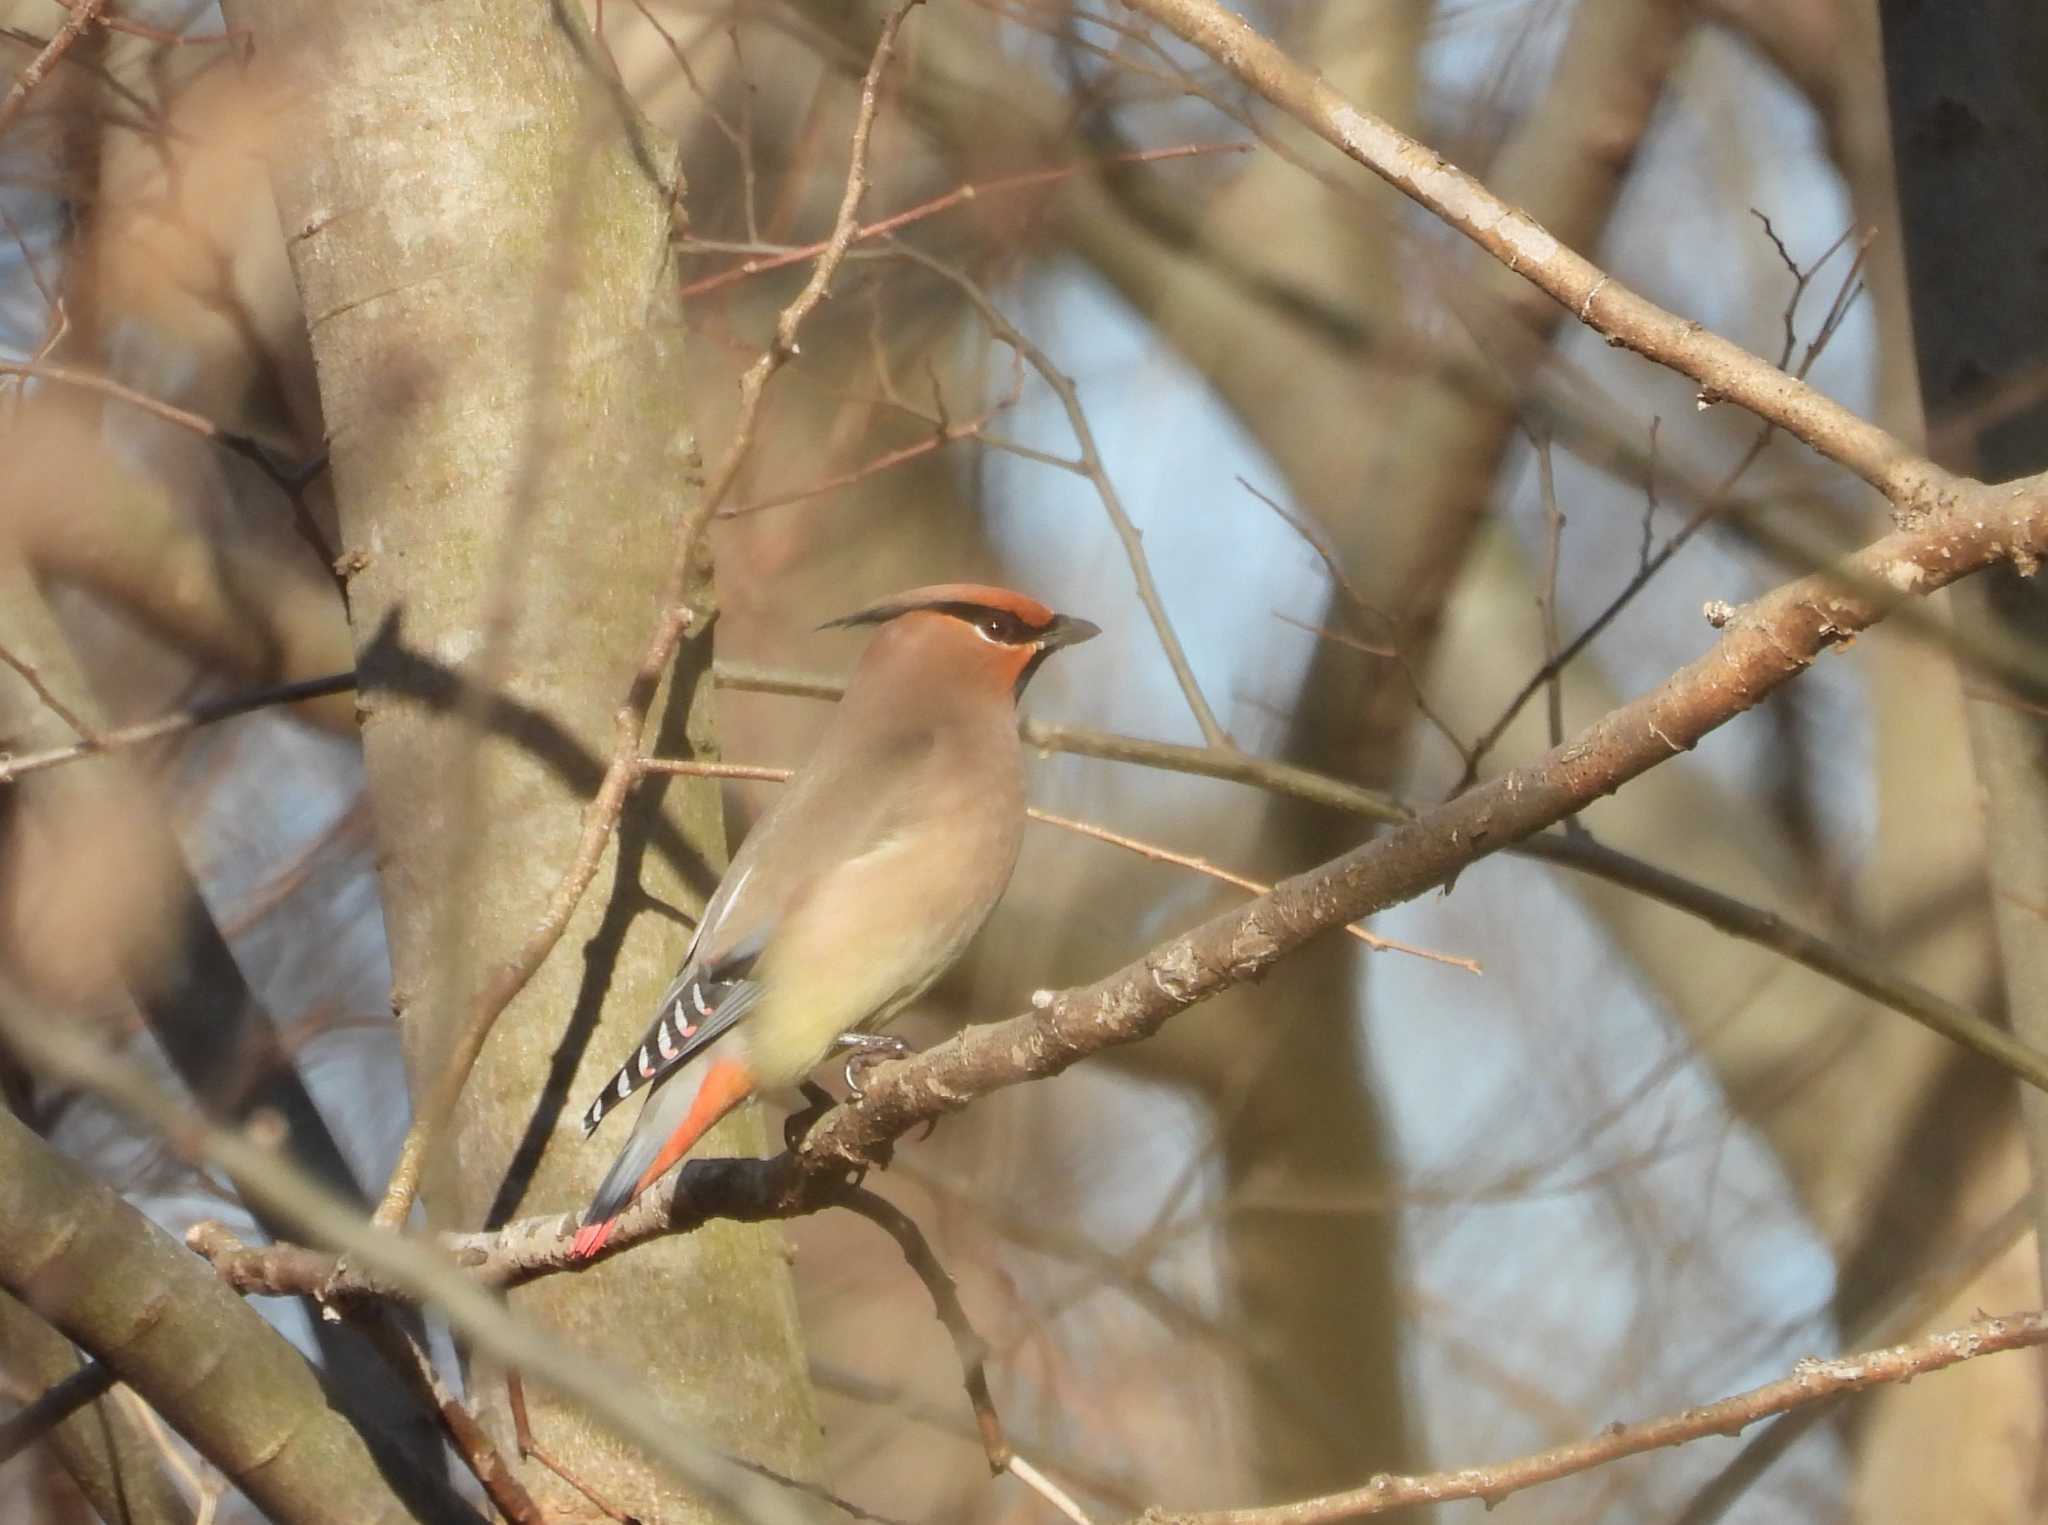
[[990, 636]]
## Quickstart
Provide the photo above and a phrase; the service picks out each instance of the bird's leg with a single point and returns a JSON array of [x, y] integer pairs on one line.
[[797, 1124], [868, 1049]]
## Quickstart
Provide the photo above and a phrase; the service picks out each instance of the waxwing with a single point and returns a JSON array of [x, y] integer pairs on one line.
[[859, 888]]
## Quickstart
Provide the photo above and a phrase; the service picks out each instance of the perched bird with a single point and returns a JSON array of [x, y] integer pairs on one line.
[[863, 884]]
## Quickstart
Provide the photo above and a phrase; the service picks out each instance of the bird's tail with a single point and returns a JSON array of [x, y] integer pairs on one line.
[[671, 1123]]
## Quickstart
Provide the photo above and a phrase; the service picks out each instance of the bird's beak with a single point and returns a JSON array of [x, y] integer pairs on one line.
[[1065, 630]]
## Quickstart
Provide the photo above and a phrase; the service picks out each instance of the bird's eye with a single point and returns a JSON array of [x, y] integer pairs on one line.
[[996, 627]]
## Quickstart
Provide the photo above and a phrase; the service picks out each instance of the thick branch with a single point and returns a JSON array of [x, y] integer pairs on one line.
[[1762, 647], [118, 1286], [84, 1271]]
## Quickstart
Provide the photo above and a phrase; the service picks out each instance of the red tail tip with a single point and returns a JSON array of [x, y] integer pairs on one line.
[[590, 1238]]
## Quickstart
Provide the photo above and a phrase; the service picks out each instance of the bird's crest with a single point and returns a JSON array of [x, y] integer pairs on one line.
[[1021, 619]]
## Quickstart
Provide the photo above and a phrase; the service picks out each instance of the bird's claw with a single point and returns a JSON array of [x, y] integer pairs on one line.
[[868, 1049]]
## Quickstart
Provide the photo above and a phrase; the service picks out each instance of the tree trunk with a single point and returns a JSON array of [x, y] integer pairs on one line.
[[480, 233], [1970, 129], [1970, 143]]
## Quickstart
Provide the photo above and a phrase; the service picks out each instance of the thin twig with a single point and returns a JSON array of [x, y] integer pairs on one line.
[[57, 1403], [45, 286], [1046, 1489], [968, 1345], [206, 1487], [680, 615], [1722, 370], [1546, 594], [531, 1449], [486, 1464], [162, 35], [1846, 967], [693, 768], [288, 476], [1649, 500], [1363, 610], [83, 14], [764, 261], [1811, 1381], [87, 737], [1090, 466], [944, 432], [1710, 508], [206, 712], [1202, 866]]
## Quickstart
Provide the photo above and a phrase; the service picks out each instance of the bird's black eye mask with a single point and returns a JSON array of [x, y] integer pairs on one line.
[[998, 625]]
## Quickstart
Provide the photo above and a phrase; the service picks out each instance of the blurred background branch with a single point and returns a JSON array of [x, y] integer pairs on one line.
[[1365, 1215]]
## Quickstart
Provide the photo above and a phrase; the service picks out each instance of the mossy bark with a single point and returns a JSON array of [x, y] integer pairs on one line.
[[480, 232]]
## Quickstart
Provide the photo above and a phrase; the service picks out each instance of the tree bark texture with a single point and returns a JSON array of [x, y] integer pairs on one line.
[[480, 232], [115, 1283], [1970, 133]]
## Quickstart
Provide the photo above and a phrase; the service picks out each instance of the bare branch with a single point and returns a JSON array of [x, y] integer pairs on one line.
[[1090, 466], [1362, 609], [762, 260], [1546, 597], [206, 712], [1723, 370], [52, 1407], [289, 477], [1851, 969], [83, 14], [160, 35], [692, 768], [1712, 504], [1770, 643], [87, 737], [1811, 1381], [1204, 867], [464, 1433]]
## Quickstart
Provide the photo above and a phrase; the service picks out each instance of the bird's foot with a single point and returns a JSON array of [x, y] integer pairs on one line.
[[869, 1049]]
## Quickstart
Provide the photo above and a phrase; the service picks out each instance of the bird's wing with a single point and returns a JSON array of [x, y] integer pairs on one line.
[[832, 816], [700, 1006]]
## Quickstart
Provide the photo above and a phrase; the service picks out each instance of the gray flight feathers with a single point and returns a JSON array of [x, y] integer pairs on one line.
[[699, 1007], [711, 992]]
